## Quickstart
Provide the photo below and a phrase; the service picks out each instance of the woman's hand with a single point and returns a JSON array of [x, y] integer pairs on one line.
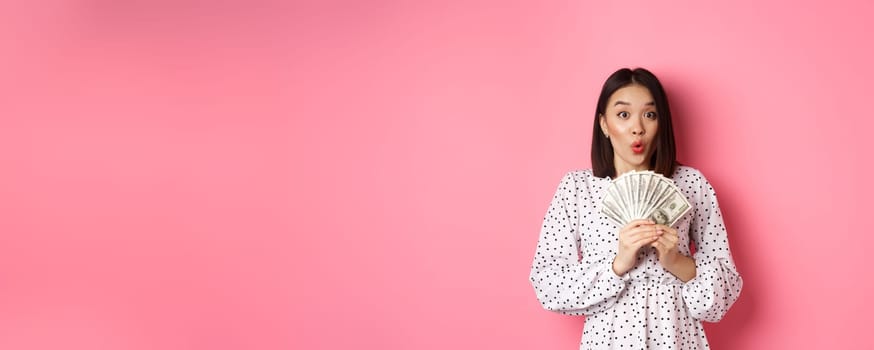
[[633, 236], [670, 257], [666, 245]]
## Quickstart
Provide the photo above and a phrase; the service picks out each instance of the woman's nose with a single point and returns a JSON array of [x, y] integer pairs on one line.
[[637, 128]]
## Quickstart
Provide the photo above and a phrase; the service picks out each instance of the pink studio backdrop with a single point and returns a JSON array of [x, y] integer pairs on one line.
[[373, 174]]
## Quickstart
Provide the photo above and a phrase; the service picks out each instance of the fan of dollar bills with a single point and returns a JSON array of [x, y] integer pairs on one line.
[[644, 195]]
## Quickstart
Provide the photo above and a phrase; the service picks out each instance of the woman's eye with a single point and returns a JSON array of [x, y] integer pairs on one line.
[[650, 115], [622, 115]]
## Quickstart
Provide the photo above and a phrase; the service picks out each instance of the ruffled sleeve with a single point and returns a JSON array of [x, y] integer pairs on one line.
[[562, 282], [717, 284]]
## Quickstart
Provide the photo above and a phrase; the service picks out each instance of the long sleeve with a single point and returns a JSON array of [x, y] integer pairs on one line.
[[717, 284], [561, 281]]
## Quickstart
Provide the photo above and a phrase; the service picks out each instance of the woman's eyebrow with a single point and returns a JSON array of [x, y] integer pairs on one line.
[[650, 103]]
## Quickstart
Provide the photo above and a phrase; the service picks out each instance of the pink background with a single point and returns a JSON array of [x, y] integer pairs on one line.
[[373, 174]]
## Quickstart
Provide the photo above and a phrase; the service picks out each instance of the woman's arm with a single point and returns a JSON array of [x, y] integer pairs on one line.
[[562, 282], [667, 245], [717, 283], [682, 266]]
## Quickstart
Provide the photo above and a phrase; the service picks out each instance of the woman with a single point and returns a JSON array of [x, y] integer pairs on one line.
[[639, 286]]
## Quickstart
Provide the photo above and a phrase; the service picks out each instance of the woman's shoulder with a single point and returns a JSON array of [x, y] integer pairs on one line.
[[580, 183], [688, 173], [580, 175], [581, 172], [583, 179], [691, 178], [576, 178]]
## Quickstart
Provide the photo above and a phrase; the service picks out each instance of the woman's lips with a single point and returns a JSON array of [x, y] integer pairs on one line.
[[637, 147]]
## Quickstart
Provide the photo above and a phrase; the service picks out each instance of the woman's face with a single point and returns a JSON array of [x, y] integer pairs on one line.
[[631, 122]]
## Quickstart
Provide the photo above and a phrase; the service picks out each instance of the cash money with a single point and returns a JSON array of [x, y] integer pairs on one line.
[[644, 195]]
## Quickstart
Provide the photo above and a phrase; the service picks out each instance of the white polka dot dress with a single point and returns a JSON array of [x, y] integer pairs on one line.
[[648, 307]]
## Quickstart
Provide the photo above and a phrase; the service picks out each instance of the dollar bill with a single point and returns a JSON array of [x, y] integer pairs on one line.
[[644, 195], [611, 209], [670, 210]]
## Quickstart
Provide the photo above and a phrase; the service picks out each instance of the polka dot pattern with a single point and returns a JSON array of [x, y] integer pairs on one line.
[[648, 307]]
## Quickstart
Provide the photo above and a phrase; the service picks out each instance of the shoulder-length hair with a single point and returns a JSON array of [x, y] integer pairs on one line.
[[664, 159]]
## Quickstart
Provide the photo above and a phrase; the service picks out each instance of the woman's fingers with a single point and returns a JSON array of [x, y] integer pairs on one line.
[[667, 229], [670, 235], [632, 230], [636, 239], [638, 231], [641, 238], [661, 242], [638, 222], [664, 243]]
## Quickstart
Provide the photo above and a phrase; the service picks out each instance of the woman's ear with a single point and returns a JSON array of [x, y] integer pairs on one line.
[[603, 122]]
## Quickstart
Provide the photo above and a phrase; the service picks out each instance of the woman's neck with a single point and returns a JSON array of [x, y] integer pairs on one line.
[[624, 169]]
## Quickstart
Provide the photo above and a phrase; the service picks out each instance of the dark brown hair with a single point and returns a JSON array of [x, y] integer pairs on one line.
[[664, 159]]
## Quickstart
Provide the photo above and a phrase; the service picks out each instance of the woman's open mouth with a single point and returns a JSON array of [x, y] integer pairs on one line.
[[637, 147]]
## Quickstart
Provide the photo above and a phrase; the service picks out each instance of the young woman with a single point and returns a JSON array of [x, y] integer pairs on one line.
[[640, 286]]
